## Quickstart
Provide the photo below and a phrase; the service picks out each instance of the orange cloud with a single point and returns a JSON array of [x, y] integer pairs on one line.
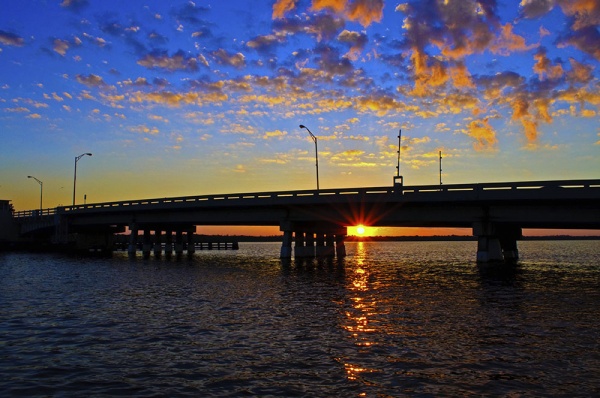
[[509, 42], [484, 135], [460, 76], [281, 7], [381, 105], [427, 76], [337, 6], [585, 12], [364, 12], [579, 73], [544, 68]]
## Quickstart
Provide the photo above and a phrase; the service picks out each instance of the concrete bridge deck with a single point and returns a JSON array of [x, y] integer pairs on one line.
[[317, 220]]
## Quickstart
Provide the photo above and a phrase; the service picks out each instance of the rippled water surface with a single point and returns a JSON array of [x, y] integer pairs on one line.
[[391, 319]]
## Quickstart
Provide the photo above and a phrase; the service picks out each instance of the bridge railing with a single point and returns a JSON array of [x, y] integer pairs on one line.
[[35, 213], [477, 190]]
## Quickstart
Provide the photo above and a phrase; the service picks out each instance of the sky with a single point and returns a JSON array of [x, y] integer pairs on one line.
[[178, 98]]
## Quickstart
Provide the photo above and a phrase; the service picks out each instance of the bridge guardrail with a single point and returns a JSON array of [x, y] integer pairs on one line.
[[477, 189]]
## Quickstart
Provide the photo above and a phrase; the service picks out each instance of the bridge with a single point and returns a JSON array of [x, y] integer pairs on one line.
[[315, 222]]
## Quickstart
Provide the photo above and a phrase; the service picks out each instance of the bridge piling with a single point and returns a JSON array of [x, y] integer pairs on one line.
[[286, 245], [147, 243], [131, 249], [157, 243], [168, 243], [179, 242], [191, 244], [496, 242]]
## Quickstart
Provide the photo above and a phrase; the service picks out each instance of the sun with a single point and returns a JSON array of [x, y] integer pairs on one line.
[[360, 230]]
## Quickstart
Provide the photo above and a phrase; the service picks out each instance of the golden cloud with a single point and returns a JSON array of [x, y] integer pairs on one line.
[[484, 135], [281, 7]]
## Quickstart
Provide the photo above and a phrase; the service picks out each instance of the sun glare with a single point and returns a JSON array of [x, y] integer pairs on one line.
[[360, 230]]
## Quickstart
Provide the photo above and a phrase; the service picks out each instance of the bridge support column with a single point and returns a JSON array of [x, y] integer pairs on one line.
[[309, 244], [320, 249], [496, 242], [131, 249], [168, 243], [508, 241], [157, 243], [326, 247], [191, 243], [147, 245], [179, 243], [340, 247], [286, 245], [299, 248]]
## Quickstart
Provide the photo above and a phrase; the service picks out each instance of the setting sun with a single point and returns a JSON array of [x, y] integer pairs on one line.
[[362, 230]]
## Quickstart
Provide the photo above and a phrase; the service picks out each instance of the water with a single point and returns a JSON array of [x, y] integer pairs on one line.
[[392, 319]]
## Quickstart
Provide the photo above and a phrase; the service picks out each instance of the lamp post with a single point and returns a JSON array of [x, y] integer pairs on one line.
[[316, 151], [75, 173], [41, 189]]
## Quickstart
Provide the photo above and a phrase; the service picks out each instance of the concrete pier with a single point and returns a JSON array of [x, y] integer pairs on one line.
[[147, 244], [313, 241], [191, 242], [496, 242], [157, 243], [131, 249]]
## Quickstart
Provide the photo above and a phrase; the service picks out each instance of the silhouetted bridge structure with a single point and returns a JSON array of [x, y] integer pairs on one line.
[[315, 221]]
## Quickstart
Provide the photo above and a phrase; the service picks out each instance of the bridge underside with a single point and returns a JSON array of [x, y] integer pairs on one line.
[[314, 223]]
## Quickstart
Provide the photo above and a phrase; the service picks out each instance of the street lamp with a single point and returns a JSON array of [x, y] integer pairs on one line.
[[75, 173], [316, 152], [41, 189]]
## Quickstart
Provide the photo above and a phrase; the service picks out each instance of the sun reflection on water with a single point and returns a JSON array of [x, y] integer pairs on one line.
[[361, 307]]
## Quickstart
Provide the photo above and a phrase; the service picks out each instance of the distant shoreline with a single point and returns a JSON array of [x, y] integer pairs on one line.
[[415, 238]]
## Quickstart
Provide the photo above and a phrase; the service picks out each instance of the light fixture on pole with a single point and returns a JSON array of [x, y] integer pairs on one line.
[[316, 151], [75, 173], [41, 189]]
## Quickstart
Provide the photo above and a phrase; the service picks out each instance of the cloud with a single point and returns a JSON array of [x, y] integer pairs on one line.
[[236, 60], [509, 42], [364, 12], [60, 46], [174, 99], [74, 5], [544, 68], [536, 8], [10, 39], [585, 13], [266, 43], [143, 129], [587, 40], [356, 40], [483, 133], [161, 60], [90, 80], [274, 134], [381, 105], [579, 73], [281, 7]]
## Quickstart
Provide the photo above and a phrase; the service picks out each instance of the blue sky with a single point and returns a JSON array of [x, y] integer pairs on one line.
[[187, 98]]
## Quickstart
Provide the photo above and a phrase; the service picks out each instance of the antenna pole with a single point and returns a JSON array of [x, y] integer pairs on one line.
[[440, 167], [398, 177]]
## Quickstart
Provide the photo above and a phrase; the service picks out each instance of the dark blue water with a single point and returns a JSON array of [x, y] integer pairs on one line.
[[392, 319]]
